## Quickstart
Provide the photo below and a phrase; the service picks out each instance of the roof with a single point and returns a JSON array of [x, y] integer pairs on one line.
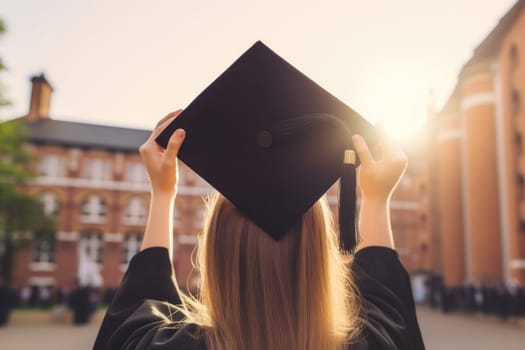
[[490, 46], [74, 134]]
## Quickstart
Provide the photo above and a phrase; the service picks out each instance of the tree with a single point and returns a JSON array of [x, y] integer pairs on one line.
[[3, 100], [22, 217]]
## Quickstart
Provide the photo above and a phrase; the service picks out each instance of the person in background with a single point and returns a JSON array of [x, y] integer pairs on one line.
[[7, 301], [79, 303], [25, 296]]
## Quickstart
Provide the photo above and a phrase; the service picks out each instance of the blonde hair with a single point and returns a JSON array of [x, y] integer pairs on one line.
[[258, 293]]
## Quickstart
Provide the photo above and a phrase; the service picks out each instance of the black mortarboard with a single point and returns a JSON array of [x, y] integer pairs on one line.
[[272, 141]]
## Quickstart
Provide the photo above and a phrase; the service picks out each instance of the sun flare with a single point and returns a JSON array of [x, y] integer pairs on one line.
[[398, 103]]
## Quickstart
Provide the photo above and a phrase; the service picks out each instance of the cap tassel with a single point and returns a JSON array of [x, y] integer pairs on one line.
[[348, 234]]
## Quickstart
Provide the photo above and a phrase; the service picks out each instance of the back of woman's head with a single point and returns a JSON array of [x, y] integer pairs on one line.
[[258, 293]]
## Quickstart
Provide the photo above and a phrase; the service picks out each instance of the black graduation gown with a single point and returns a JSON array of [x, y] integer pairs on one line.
[[142, 316]]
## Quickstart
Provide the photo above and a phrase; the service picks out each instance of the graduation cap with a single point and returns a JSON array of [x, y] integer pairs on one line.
[[272, 142]]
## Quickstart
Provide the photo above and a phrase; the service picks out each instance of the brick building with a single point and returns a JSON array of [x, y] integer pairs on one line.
[[91, 177], [478, 163]]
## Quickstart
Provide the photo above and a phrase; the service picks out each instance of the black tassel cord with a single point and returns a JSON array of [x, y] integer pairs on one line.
[[348, 233]]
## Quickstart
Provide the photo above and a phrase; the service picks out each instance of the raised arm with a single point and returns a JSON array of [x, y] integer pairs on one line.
[[149, 283], [161, 165], [380, 277], [377, 180]]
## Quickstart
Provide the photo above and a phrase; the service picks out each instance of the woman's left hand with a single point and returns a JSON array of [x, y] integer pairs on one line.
[[161, 164]]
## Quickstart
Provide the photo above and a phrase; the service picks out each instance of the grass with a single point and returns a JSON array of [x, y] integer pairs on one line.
[[36, 316]]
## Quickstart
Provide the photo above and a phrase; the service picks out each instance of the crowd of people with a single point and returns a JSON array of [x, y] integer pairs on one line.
[[82, 301], [502, 300]]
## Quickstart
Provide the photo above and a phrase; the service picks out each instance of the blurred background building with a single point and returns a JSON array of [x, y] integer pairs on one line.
[[459, 211], [91, 178], [477, 164]]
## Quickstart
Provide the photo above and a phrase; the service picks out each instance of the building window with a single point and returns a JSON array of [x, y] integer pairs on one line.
[[516, 102], [199, 217], [514, 57], [520, 181], [518, 141], [97, 169], [131, 246], [136, 173], [93, 209], [50, 203], [136, 212], [522, 226], [44, 251], [92, 245], [177, 215], [52, 165], [190, 178]]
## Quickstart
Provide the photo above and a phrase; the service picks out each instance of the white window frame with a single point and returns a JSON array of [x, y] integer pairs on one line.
[[136, 173], [93, 209], [93, 244], [52, 166], [136, 212], [44, 255], [50, 203], [130, 246], [96, 169]]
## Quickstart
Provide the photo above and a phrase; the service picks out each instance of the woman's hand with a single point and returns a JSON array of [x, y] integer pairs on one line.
[[161, 164], [378, 178]]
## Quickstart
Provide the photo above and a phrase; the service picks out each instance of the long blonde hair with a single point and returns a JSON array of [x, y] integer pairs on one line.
[[257, 293]]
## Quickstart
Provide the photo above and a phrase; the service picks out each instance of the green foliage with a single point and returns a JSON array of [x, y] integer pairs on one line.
[[15, 166], [3, 100], [22, 217]]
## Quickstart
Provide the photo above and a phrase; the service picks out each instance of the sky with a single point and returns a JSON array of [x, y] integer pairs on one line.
[[129, 63]]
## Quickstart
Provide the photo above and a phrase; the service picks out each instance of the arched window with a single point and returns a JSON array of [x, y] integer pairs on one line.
[[50, 203], [131, 246], [93, 209], [92, 245], [136, 212]]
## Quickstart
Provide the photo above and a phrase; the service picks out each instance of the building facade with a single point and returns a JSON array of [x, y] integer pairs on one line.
[[478, 163], [90, 177]]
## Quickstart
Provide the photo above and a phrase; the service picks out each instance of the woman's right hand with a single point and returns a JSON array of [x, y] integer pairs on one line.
[[379, 177], [161, 164]]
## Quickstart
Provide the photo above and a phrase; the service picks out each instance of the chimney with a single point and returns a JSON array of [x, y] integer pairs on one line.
[[40, 98]]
